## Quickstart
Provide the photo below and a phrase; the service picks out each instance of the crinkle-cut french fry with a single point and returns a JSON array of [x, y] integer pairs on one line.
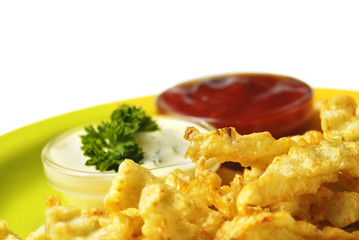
[[301, 171], [6, 233], [311, 137], [227, 145], [340, 209], [69, 222], [125, 191], [263, 225], [38, 234], [339, 119], [206, 188], [344, 184], [169, 214]]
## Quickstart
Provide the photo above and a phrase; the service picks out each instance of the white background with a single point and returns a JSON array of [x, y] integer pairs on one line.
[[61, 56]]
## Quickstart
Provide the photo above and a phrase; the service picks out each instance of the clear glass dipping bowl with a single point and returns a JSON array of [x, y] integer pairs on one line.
[[84, 186]]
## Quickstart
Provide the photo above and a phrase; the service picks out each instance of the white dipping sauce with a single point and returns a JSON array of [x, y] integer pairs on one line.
[[166, 146], [164, 150], [161, 148]]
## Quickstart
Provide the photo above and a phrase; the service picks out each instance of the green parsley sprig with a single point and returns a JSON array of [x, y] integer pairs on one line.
[[110, 143]]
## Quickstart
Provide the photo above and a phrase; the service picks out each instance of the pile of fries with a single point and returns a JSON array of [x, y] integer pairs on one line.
[[298, 187]]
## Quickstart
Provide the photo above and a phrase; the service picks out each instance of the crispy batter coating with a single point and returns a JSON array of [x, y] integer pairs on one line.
[[5, 232], [301, 171], [206, 188], [339, 119], [155, 211], [169, 214], [340, 209], [255, 150], [311, 137], [160, 204], [69, 222], [262, 225], [38, 234], [227, 145], [344, 184], [126, 188]]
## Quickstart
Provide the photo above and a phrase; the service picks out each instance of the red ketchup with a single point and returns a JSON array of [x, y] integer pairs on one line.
[[250, 102]]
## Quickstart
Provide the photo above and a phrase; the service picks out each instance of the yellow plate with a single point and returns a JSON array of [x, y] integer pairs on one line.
[[23, 185]]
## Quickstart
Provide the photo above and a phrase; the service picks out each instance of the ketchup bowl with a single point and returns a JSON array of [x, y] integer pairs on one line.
[[250, 102]]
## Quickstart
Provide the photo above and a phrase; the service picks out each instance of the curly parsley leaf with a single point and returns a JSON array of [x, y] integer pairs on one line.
[[108, 144]]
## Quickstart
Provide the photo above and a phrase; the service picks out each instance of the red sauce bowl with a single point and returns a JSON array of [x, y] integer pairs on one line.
[[250, 102]]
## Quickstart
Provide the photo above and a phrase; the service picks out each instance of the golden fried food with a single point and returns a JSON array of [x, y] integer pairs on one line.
[[301, 171], [340, 209], [255, 150], [5, 232], [339, 119], [206, 188], [39, 234], [161, 206], [68, 222], [297, 187], [126, 188], [227, 145], [311, 137], [262, 225], [344, 184], [161, 212], [169, 214]]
